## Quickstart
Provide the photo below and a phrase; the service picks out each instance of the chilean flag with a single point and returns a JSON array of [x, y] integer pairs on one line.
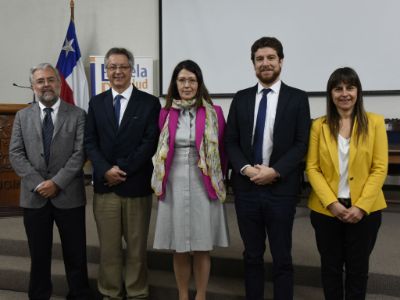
[[74, 86]]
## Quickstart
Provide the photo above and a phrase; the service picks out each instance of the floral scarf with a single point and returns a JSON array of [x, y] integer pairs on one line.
[[209, 161]]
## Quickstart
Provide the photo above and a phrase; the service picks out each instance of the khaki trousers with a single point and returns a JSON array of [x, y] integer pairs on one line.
[[124, 218]]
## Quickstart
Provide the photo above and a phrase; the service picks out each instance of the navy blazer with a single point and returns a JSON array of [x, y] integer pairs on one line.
[[131, 146], [290, 138]]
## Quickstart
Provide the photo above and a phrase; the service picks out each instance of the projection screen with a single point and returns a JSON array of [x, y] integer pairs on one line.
[[317, 36]]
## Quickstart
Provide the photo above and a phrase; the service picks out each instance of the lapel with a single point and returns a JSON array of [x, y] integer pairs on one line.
[[283, 100], [332, 146], [109, 109], [353, 145], [35, 117], [200, 125], [251, 105], [61, 116], [130, 109]]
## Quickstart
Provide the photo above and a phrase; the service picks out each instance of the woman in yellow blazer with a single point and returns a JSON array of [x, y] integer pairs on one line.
[[346, 167]]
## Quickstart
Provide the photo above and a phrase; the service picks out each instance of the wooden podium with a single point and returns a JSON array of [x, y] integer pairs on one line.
[[9, 181]]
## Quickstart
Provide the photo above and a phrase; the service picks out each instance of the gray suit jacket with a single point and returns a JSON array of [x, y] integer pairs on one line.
[[66, 156]]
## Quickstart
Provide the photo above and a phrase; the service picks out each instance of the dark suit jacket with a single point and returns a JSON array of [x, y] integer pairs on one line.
[[131, 146], [290, 138], [66, 156]]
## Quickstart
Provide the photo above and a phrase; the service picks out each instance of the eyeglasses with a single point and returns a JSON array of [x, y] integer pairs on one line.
[[42, 81], [114, 68], [183, 81]]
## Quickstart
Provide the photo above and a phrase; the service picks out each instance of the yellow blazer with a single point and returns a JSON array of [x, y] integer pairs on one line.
[[368, 163]]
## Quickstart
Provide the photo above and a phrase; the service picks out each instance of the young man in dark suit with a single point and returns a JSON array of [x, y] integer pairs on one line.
[[46, 151], [266, 140], [120, 139]]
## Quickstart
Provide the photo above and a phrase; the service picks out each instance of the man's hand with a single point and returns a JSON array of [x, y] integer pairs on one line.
[[266, 175], [250, 171], [354, 215], [114, 176], [48, 189]]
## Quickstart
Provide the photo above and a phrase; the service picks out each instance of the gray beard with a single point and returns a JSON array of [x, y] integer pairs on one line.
[[47, 101]]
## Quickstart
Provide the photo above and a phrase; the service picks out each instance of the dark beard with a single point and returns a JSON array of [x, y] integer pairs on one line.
[[270, 80]]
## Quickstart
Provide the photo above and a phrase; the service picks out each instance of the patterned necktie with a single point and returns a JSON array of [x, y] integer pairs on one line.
[[48, 129], [117, 108], [258, 138]]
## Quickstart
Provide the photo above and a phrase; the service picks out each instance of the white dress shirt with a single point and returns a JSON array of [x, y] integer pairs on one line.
[[124, 101], [54, 113], [343, 149], [272, 103]]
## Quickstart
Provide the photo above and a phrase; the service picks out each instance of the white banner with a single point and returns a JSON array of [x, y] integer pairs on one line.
[[142, 74]]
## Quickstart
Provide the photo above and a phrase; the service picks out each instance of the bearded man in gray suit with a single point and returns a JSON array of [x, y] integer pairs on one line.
[[46, 151]]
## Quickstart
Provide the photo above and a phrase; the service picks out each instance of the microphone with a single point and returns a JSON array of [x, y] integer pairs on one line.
[[22, 86], [26, 87]]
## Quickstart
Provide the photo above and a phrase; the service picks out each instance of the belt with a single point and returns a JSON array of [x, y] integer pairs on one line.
[[346, 202]]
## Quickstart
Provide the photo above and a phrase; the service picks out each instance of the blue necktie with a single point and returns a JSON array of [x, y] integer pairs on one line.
[[117, 108], [258, 138], [47, 130]]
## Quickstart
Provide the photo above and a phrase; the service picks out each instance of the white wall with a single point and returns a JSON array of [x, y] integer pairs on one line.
[[33, 31], [318, 37], [389, 106]]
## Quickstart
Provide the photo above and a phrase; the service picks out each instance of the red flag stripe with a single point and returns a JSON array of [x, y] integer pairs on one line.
[[66, 93]]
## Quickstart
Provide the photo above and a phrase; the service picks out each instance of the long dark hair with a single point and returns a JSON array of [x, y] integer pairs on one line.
[[202, 92], [348, 76]]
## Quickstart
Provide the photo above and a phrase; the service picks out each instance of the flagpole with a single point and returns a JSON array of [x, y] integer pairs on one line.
[[71, 5]]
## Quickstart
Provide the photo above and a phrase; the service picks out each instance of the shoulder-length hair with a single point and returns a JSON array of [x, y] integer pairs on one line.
[[348, 76], [202, 92]]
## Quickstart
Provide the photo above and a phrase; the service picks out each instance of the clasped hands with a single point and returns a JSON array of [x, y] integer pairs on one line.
[[347, 215], [47, 189], [260, 174], [114, 176]]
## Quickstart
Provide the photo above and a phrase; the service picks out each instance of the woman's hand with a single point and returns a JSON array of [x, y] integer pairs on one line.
[[338, 210], [354, 215]]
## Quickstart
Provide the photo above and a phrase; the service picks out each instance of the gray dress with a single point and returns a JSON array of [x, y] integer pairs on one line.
[[187, 220]]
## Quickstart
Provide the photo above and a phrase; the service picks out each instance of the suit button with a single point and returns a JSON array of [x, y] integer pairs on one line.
[[351, 178]]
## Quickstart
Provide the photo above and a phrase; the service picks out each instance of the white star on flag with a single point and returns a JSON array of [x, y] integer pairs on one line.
[[74, 87], [68, 46]]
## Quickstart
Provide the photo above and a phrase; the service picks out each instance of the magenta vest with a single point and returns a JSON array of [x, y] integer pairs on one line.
[[200, 124]]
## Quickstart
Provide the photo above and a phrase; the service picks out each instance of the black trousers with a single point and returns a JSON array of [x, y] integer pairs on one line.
[[39, 230], [260, 215], [345, 250]]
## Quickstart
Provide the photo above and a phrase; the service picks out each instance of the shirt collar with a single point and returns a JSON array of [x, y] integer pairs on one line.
[[275, 87], [55, 106], [126, 94]]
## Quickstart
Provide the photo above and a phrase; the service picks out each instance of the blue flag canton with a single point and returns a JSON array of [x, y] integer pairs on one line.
[[70, 52]]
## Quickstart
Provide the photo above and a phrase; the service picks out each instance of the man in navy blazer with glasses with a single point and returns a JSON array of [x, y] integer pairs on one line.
[[120, 139]]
